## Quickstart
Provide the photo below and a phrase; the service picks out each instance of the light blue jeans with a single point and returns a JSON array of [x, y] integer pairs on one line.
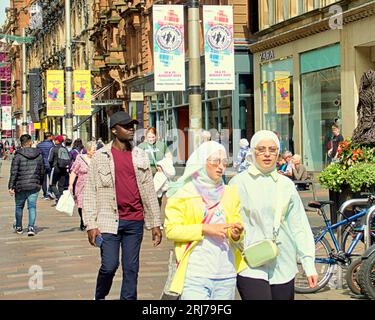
[[20, 199], [208, 289]]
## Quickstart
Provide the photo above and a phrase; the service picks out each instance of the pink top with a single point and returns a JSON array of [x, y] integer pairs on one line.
[[80, 168]]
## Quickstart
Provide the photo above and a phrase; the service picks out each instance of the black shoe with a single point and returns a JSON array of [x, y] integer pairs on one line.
[[19, 230], [31, 232], [82, 227]]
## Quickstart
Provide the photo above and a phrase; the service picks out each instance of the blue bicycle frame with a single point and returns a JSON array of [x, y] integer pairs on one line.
[[330, 229]]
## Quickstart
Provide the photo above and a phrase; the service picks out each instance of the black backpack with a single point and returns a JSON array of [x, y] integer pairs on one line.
[[63, 158]]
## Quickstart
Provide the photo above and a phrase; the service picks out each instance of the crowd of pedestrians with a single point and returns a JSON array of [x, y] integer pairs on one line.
[[121, 189]]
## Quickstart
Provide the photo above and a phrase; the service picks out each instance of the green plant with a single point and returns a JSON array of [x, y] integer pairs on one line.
[[332, 177], [354, 166], [361, 176]]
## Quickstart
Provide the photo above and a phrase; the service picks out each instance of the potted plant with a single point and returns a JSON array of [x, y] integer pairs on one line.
[[350, 174]]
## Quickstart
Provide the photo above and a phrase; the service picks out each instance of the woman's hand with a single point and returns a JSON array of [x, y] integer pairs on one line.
[[216, 230], [235, 231], [313, 281], [70, 188]]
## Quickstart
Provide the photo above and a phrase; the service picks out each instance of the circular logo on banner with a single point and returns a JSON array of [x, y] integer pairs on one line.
[[219, 37], [169, 38]]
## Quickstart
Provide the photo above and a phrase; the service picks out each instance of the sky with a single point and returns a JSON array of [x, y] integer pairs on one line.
[[3, 5]]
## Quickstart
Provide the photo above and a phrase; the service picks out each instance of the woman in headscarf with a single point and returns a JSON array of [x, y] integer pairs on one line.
[[203, 219], [263, 192]]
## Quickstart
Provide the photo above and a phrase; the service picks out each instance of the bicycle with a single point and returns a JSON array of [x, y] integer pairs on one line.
[[327, 257], [366, 273]]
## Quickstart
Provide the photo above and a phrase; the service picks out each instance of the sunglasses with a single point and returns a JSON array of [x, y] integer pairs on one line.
[[216, 162], [263, 150]]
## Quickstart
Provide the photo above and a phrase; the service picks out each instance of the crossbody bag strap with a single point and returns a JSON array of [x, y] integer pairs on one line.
[[278, 211]]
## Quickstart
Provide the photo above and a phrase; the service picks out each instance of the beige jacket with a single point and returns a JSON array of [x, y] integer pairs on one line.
[[99, 200]]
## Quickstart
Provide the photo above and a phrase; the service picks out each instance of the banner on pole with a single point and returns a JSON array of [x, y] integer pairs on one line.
[[283, 96], [265, 98], [169, 50], [55, 93], [6, 118], [219, 47], [35, 98], [82, 92]]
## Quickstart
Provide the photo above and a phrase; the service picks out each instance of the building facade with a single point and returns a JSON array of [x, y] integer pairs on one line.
[[123, 68], [309, 57]]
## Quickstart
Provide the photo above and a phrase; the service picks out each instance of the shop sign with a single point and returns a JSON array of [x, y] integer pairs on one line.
[[283, 96], [82, 92], [169, 50], [219, 47], [267, 55], [55, 93], [136, 96]]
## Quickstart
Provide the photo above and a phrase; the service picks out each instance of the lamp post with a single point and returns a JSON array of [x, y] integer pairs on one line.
[[195, 97], [68, 72]]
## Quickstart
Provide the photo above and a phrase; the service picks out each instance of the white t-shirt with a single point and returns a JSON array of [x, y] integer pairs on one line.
[[212, 258]]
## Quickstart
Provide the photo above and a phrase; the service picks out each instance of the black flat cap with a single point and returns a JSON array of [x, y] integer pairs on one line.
[[121, 117]]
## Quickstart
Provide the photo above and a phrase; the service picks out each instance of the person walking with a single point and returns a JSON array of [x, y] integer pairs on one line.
[[156, 150], [59, 161], [118, 201], [241, 163], [77, 178], [26, 179], [263, 192], [45, 147], [336, 139], [203, 219]]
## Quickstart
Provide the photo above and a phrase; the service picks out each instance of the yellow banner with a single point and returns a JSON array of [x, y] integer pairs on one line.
[[55, 93], [283, 96], [265, 98], [82, 92], [37, 125]]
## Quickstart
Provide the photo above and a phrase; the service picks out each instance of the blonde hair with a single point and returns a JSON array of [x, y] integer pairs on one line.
[[90, 146]]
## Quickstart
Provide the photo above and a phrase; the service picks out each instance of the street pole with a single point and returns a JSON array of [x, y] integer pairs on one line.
[[24, 91], [195, 98], [68, 73]]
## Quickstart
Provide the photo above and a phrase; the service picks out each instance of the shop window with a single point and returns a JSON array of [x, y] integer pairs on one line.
[[246, 83], [321, 108]]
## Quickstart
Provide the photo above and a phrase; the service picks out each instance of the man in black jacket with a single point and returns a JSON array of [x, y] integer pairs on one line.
[[26, 178]]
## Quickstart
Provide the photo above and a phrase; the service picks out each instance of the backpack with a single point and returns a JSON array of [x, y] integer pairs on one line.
[[63, 158]]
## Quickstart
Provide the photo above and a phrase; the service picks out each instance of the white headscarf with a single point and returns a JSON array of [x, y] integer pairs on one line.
[[258, 137], [196, 164]]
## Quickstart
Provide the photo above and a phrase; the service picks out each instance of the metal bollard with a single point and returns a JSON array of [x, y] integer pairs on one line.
[[367, 231]]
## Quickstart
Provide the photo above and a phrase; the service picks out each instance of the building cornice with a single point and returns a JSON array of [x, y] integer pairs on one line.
[[349, 16]]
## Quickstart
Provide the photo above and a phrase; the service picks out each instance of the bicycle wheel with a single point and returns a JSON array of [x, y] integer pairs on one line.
[[323, 265], [351, 276], [367, 276]]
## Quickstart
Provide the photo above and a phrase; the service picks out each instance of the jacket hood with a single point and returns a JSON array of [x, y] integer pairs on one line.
[[29, 153]]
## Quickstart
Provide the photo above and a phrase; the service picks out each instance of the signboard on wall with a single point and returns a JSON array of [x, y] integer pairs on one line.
[[219, 47], [82, 92], [283, 96], [169, 49], [6, 118], [55, 93]]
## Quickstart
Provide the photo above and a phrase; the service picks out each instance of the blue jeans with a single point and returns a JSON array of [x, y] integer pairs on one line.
[[129, 236], [20, 198], [198, 288]]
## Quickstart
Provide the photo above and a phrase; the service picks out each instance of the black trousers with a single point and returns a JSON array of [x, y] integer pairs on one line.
[[258, 289], [58, 182]]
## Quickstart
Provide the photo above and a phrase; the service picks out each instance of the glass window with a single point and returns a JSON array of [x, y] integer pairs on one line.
[[247, 117], [225, 124], [246, 83], [321, 107], [212, 111]]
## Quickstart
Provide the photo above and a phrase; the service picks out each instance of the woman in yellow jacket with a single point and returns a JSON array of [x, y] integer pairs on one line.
[[203, 219]]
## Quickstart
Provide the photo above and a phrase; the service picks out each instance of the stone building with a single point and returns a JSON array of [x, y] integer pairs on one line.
[[123, 68], [309, 57]]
